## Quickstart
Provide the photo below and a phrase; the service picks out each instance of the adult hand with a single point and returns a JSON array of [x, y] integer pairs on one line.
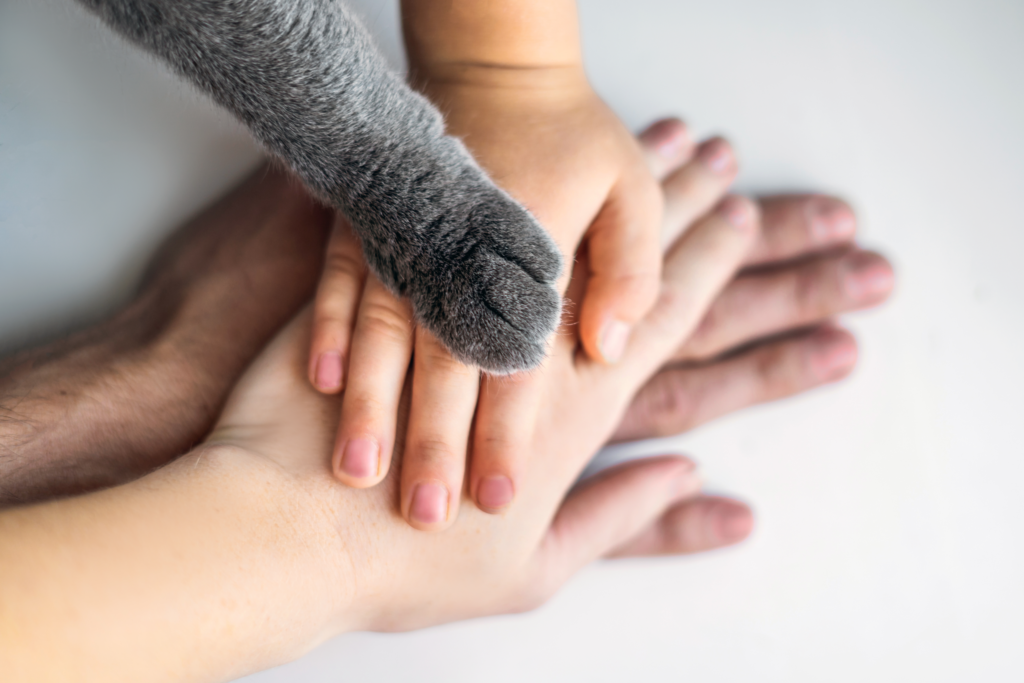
[[246, 553], [112, 402]]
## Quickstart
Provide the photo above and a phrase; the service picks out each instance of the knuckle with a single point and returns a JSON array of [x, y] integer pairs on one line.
[[343, 263], [778, 377], [808, 293], [498, 450], [438, 359], [666, 406], [364, 410], [637, 291], [434, 451], [382, 321]]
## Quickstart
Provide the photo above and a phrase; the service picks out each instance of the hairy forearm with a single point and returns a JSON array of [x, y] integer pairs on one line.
[[110, 403], [63, 408], [210, 568]]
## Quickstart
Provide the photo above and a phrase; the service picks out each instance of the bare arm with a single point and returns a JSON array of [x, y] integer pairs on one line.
[[206, 570], [524, 34]]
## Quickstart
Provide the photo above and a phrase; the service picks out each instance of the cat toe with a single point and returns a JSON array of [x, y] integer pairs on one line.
[[500, 304]]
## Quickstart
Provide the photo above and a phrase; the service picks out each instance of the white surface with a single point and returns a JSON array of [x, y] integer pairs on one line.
[[888, 545]]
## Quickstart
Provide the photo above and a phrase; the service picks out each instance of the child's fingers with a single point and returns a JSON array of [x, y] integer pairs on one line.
[[697, 268], [444, 393], [334, 313], [666, 145], [501, 439], [381, 349], [696, 187], [624, 257]]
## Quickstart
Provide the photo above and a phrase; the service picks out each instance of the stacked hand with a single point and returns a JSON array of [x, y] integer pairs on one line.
[[393, 578], [253, 526], [446, 395]]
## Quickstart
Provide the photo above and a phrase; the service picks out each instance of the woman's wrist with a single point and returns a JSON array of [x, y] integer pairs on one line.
[[223, 558]]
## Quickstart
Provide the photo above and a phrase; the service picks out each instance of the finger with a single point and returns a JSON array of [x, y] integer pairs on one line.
[[692, 526], [334, 313], [381, 349], [697, 268], [679, 399], [795, 225], [444, 393], [767, 303], [624, 256], [607, 511], [694, 189], [666, 145], [506, 414]]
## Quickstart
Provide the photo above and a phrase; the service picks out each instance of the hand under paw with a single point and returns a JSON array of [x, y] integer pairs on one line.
[[488, 291], [365, 343]]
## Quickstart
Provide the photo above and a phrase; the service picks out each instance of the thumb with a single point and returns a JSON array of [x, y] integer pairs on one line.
[[609, 510], [624, 257]]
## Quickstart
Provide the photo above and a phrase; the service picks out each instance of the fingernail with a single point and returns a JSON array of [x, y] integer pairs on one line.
[[729, 522], [867, 276], [831, 220], [717, 155], [832, 355], [614, 338], [360, 459], [669, 138], [328, 371], [494, 493], [687, 482], [738, 211], [429, 503]]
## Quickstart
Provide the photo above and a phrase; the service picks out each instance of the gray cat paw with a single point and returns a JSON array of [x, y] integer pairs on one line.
[[489, 294]]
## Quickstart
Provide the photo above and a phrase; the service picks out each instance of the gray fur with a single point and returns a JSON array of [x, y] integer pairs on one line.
[[306, 79]]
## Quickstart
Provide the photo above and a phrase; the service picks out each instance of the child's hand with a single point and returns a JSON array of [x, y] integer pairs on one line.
[[369, 337], [545, 137]]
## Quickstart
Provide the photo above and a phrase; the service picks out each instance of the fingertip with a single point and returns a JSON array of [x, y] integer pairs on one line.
[[868, 277], [830, 220], [666, 143], [429, 506], [327, 372], [686, 480], [728, 521], [357, 462], [611, 308], [741, 213], [832, 353], [612, 340], [494, 493], [718, 156]]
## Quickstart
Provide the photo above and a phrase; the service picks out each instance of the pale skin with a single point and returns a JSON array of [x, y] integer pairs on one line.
[[509, 77], [384, 340], [82, 413], [246, 553]]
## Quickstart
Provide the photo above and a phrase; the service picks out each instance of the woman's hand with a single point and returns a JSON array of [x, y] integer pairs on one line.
[[489, 563], [180, 573], [445, 392], [382, 337]]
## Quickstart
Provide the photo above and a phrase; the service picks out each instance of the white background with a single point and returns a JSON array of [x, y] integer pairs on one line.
[[888, 545]]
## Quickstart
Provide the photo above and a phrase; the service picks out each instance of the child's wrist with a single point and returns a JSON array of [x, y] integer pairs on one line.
[[539, 38], [562, 82]]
